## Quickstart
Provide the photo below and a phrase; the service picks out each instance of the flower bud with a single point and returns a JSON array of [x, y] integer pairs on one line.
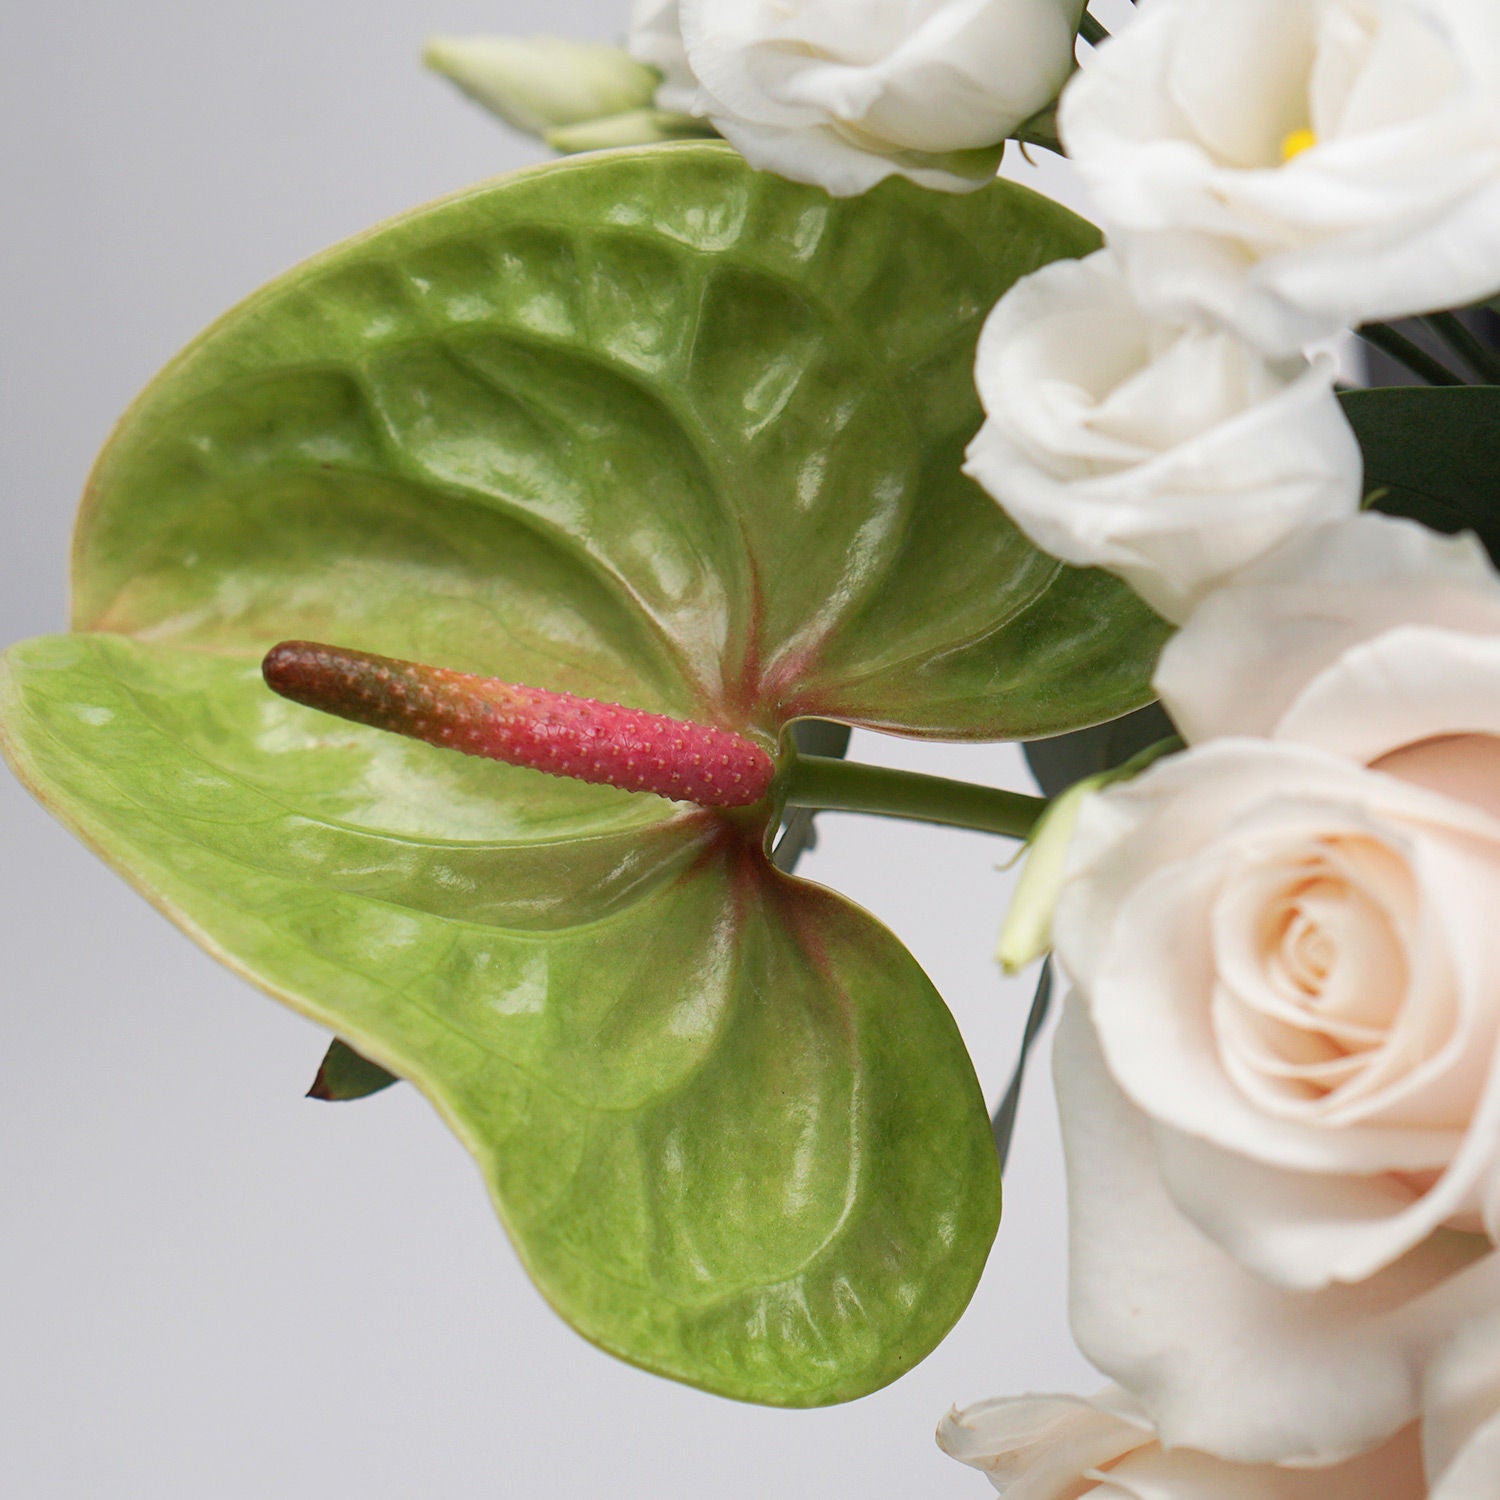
[[636, 127], [538, 84], [1027, 933]]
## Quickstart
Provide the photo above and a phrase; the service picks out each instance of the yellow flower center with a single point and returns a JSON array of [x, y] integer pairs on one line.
[[1298, 142]]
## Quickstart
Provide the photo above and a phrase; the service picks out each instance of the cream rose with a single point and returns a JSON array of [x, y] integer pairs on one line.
[[843, 93], [1168, 453], [1286, 947], [1225, 1362], [1461, 1412], [1294, 167], [1288, 944], [1069, 1448]]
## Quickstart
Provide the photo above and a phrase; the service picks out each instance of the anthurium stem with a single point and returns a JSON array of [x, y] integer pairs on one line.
[[817, 781]]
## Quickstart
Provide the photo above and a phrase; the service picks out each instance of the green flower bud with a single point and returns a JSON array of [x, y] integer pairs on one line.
[[539, 84], [636, 127], [1027, 933]]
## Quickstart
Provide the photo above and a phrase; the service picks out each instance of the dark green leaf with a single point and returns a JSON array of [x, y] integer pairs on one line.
[[1433, 455], [345, 1074]]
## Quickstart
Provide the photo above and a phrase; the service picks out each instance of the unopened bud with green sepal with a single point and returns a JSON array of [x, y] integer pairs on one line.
[[577, 96], [1027, 933]]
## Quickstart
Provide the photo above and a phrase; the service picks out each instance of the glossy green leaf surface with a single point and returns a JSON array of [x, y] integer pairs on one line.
[[652, 428], [1433, 454]]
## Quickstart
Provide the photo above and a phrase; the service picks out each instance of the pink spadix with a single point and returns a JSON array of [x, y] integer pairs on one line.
[[559, 733]]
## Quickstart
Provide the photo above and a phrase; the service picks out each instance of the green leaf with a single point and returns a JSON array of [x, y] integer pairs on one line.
[[345, 1074], [652, 428], [729, 1124], [1433, 454]]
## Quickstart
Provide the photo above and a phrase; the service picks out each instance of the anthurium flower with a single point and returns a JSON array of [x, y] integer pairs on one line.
[[618, 444]]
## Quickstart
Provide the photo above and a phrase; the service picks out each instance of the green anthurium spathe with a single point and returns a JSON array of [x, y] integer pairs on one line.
[[652, 429]]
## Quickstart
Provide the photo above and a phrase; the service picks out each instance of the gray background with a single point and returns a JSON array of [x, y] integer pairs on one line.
[[210, 1287]]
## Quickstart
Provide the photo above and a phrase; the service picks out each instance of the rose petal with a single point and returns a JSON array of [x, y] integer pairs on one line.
[[1252, 647], [1223, 1361], [1134, 928], [1408, 684]]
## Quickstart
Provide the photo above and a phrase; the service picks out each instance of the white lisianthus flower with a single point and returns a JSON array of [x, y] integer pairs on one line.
[[1287, 1079], [1169, 453], [843, 93], [1295, 167], [656, 39], [1072, 1448]]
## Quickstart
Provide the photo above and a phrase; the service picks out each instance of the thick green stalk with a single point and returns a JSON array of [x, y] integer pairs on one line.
[[817, 781]]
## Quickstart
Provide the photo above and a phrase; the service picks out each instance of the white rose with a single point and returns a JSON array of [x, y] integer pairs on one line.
[[1295, 167], [1069, 1448], [843, 93], [1168, 453]]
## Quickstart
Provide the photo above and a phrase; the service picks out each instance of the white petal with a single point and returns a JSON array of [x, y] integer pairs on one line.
[[1172, 455], [842, 93], [1223, 1361], [1038, 1447], [1461, 1412], [1178, 128], [1255, 644], [1409, 684]]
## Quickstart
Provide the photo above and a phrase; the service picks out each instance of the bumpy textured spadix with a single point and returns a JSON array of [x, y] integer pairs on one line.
[[646, 428], [559, 733]]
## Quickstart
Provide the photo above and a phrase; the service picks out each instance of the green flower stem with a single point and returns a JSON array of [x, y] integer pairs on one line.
[[1401, 348], [816, 781], [1469, 347]]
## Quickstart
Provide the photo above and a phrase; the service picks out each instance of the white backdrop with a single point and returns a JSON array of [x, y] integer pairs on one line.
[[210, 1288]]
